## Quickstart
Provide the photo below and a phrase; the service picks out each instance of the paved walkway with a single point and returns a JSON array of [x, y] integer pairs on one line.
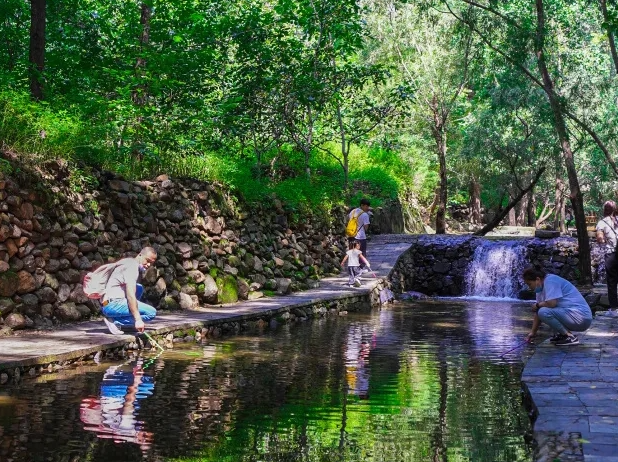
[[28, 348], [575, 392]]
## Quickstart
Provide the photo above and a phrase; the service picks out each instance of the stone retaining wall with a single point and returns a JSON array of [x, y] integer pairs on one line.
[[438, 265], [212, 249]]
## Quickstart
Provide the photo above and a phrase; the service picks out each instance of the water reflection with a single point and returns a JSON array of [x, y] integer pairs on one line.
[[114, 413], [415, 382]]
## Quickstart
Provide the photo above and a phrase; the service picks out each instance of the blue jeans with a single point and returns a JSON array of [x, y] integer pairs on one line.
[[118, 309], [562, 320]]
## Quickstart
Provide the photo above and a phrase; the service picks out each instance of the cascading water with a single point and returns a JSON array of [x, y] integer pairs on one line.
[[495, 270]]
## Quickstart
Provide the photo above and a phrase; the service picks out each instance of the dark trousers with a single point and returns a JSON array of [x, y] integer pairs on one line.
[[363, 245], [354, 273], [611, 275]]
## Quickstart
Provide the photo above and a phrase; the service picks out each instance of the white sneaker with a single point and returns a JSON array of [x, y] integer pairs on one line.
[[112, 327], [364, 270], [610, 313], [357, 283]]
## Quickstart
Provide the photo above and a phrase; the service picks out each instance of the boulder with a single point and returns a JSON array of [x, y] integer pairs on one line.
[[77, 295], [184, 249], [243, 289], [211, 290], [160, 287], [118, 185], [30, 303], [169, 303], [187, 302], [9, 283], [150, 276], [412, 295], [64, 291], [546, 234], [196, 276], [25, 282], [16, 321], [283, 286], [47, 295], [6, 306], [255, 295], [68, 312], [212, 226]]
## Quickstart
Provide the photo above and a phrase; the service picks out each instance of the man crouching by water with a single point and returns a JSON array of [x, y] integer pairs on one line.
[[121, 305], [559, 305]]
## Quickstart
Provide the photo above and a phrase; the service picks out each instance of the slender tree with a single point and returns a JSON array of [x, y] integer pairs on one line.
[[37, 48]]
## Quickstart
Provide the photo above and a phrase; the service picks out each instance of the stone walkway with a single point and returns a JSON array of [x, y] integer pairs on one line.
[[29, 348], [574, 390]]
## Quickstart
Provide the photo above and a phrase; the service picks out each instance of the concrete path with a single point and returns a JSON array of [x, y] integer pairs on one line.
[[28, 348], [575, 392]]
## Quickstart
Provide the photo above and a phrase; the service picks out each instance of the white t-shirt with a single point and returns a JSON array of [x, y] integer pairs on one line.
[[363, 219], [566, 294], [126, 271], [608, 227], [353, 257]]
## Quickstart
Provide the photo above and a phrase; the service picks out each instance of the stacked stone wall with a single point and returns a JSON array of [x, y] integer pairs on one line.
[[212, 248], [438, 265]]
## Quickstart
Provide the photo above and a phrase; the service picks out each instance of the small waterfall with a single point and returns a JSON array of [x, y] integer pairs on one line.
[[495, 270]]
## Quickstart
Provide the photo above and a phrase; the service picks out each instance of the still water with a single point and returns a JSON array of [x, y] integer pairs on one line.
[[413, 382]]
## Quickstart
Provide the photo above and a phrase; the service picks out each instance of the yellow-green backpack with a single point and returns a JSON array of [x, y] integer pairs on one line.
[[352, 228]]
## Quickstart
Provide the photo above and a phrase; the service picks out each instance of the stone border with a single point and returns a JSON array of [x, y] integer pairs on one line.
[[338, 304], [571, 393]]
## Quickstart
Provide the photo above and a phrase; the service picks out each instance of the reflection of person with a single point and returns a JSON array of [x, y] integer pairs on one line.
[[358, 347], [607, 236], [559, 305], [354, 257], [113, 415], [362, 214], [121, 305]]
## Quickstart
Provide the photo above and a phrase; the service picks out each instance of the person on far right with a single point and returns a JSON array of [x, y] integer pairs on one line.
[[559, 305], [607, 238]]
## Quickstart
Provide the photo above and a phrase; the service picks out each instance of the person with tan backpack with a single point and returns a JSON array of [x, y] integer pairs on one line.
[[115, 284]]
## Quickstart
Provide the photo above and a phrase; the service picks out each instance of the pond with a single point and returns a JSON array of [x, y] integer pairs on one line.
[[412, 382]]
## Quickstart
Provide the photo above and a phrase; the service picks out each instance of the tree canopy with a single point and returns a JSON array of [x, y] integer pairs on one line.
[[502, 107]]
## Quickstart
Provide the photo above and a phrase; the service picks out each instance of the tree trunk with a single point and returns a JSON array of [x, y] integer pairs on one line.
[[37, 48], [610, 35], [345, 147], [576, 196], [475, 201], [531, 209], [504, 212], [139, 94], [521, 211], [559, 201], [512, 218], [440, 137]]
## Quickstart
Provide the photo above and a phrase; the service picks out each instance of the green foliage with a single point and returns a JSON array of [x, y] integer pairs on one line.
[[318, 103], [228, 289]]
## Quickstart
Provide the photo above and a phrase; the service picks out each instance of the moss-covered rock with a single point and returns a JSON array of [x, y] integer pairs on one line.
[[9, 283], [233, 261], [168, 303], [227, 289]]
